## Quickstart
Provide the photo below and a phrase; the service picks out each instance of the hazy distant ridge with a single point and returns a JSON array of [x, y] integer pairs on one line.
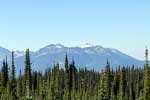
[[87, 55]]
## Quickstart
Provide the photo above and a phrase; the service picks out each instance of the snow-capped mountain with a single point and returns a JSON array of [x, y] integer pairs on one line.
[[87, 55]]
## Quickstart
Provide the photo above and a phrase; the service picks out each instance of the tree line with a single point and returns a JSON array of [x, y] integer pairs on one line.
[[72, 83]]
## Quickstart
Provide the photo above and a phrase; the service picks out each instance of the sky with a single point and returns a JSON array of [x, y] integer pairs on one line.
[[120, 24]]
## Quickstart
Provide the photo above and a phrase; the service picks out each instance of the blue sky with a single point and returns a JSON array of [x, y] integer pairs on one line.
[[120, 24]]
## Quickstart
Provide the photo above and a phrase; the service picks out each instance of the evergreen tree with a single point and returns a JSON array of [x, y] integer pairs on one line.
[[20, 86], [13, 80], [122, 85], [146, 79], [67, 85], [103, 89], [137, 91], [57, 83], [131, 85], [5, 73], [114, 88], [28, 83], [74, 88], [108, 78], [1, 84], [52, 85]]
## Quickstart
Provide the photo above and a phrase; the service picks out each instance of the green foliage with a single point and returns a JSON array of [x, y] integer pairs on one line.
[[13, 80], [70, 83], [5, 73], [103, 89], [146, 82], [122, 85], [28, 83]]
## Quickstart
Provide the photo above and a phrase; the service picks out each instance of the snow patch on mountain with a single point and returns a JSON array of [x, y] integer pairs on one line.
[[55, 46], [18, 53], [86, 45]]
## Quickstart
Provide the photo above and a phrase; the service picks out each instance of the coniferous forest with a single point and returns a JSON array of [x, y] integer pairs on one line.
[[72, 83]]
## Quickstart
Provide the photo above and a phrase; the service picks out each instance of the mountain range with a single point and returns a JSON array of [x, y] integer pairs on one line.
[[90, 56]]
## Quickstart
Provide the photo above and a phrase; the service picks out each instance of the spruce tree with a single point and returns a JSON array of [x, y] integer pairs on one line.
[[122, 85], [13, 79], [74, 88], [57, 83], [131, 84], [146, 79], [5, 73], [108, 78], [20, 86], [28, 83], [52, 84], [1, 84], [114, 89], [67, 85], [105, 84], [103, 89]]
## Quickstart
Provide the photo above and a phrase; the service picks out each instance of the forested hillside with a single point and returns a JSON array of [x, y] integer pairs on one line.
[[70, 83]]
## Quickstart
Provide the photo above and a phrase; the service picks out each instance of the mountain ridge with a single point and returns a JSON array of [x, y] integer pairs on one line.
[[90, 56]]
